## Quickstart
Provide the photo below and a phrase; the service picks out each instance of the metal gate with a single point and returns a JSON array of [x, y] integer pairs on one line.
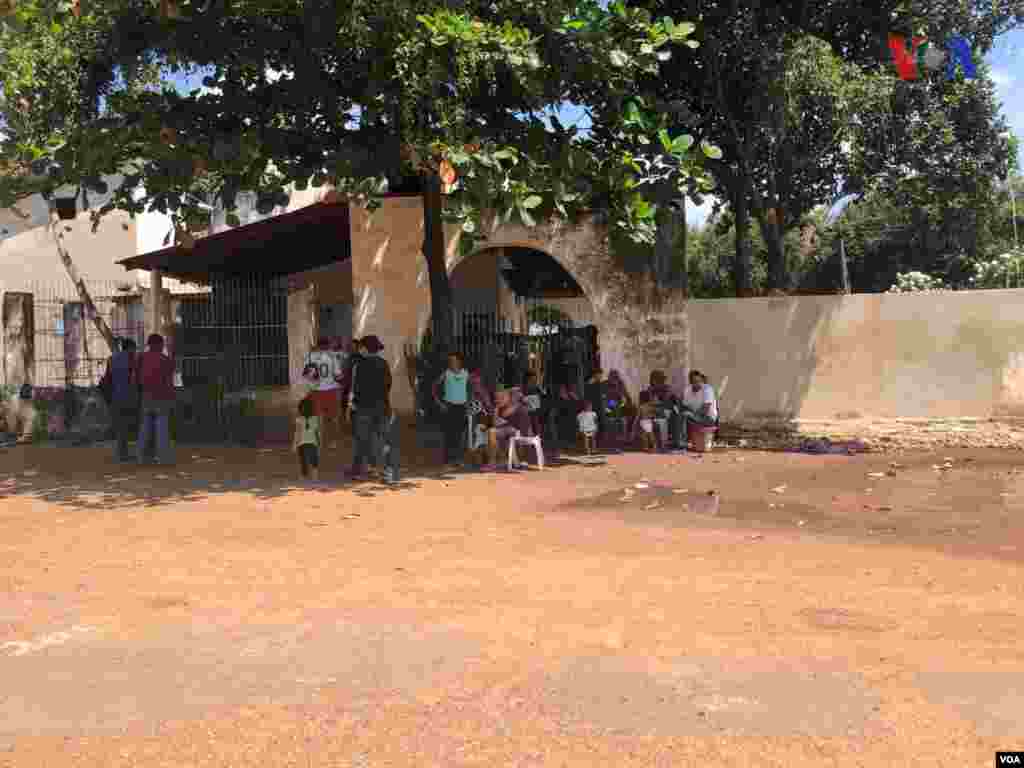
[[230, 343], [548, 340]]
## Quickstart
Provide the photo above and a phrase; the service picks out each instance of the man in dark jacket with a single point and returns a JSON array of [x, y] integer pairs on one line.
[[371, 399], [155, 374], [124, 397]]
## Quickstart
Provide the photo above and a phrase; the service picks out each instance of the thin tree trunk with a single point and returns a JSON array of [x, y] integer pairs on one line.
[[684, 257], [742, 269], [80, 287], [437, 268], [778, 274], [667, 272]]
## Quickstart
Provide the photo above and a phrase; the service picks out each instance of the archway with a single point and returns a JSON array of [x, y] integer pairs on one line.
[[517, 309]]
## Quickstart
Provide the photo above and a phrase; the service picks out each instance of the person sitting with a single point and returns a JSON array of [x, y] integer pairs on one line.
[[587, 420], [536, 402], [511, 417], [669, 408], [646, 414], [566, 409], [596, 391], [700, 406], [620, 407]]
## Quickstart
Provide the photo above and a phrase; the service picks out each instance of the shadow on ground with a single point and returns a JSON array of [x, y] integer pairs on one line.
[[88, 477]]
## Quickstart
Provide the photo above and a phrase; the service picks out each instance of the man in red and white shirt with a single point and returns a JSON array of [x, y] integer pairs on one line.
[[327, 389]]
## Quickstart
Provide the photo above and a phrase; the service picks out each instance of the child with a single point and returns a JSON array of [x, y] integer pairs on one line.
[[646, 414], [587, 421], [307, 439]]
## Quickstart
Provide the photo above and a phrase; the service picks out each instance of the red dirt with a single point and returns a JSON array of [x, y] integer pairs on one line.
[[213, 614]]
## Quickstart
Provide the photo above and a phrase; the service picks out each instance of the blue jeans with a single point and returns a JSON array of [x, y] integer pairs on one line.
[[155, 422], [368, 425]]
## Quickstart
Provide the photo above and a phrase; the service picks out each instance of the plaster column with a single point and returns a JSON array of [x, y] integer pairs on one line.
[[156, 300]]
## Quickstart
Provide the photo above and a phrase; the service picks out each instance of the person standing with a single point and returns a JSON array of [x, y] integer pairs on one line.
[[124, 396], [327, 392], [451, 392], [371, 398], [155, 374], [307, 440]]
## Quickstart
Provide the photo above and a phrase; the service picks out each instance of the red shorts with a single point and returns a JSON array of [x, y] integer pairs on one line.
[[327, 402]]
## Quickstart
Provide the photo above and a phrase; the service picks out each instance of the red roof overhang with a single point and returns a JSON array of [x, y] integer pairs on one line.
[[310, 237]]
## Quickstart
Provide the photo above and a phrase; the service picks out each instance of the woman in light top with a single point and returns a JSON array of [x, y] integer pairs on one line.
[[451, 392]]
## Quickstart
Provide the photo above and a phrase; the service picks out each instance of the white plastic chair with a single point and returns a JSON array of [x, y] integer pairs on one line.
[[519, 439]]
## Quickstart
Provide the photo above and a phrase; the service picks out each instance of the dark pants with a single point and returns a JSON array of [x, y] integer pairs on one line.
[[367, 426], [309, 456], [454, 426], [126, 425], [391, 442]]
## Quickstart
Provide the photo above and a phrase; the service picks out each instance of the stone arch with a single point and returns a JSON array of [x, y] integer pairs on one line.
[[640, 327]]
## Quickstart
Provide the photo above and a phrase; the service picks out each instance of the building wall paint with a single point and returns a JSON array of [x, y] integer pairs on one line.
[[868, 356]]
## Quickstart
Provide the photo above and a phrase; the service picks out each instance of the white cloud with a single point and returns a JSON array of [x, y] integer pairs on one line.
[[1002, 78], [696, 215]]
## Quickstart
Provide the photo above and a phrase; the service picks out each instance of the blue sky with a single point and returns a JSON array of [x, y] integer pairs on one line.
[[1006, 60]]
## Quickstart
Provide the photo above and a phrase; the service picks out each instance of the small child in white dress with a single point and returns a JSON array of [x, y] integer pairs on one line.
[[587, 421], [646, 415]]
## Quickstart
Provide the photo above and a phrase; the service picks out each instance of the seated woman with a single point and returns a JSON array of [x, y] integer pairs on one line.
[[481, 411], [567, 408], [620, 406], [700, 406], [536, 400], [596, 391], [511, 416]]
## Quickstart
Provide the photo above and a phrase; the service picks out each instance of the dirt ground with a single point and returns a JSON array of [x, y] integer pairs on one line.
[[744, 608]]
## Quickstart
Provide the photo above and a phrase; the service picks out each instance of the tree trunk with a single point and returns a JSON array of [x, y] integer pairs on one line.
[[684, 260], [778, 272], [742, 267], [437, 268], [666, 268], [79, 283]]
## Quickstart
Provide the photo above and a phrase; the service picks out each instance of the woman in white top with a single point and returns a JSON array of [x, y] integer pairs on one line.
[[699, 403]]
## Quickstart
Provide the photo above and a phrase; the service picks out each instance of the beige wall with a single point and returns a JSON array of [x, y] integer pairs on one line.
[[869, 356], [31, 257]]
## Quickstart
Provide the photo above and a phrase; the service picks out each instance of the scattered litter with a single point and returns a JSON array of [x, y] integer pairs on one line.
[[642, 486], [779, 489], [653, 505], [876, 474], [680, 490], [801, 522], [755, 537], [316, 524], [885, 509]]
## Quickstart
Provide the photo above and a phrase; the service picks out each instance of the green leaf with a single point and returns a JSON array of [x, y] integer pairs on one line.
[[533, 201], [666, 139], [524, 214], [619, 58], [664, 55], [668, 24], [711, 150], [504, 154], [692, 44], [232, 220], [682, 143]]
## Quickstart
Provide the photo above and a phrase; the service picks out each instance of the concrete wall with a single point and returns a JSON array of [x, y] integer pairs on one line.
[[869, 356], [31, 256]]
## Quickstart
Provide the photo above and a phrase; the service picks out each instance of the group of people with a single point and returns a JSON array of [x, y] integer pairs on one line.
[[357, 382], [139, 389], [472, 420]]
